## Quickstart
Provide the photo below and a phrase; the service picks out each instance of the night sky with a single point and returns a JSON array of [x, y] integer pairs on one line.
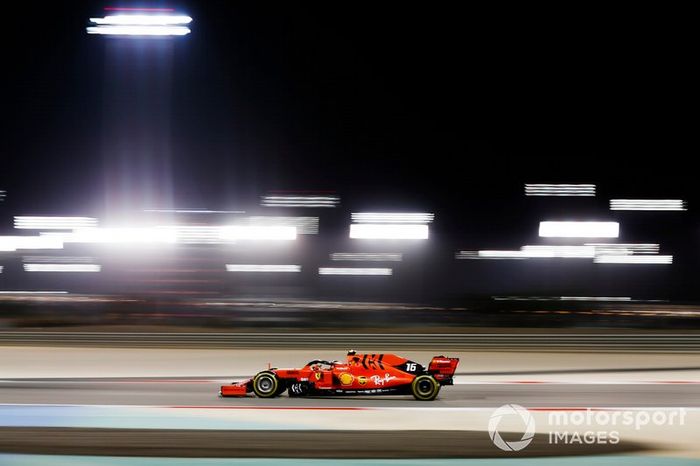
[[430, 107]]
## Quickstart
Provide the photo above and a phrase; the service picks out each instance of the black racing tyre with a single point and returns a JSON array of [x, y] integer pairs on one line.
[[266, 384], [281, 388], [425, 388]]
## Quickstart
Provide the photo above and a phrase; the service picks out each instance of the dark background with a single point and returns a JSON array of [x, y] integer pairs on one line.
[[422, 107]]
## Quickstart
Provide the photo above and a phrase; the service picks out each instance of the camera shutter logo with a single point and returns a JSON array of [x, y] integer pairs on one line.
[[511, 410]]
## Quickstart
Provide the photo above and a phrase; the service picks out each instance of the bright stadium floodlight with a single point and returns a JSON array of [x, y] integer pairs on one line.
[[648, 204], [388, 231], [645, 259], [391, 217], [579, 229], [354, 271], [560, 190], [62, 268], [262, 268]]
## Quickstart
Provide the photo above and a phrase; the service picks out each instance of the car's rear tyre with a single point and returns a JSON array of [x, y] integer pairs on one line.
[[425, 388], [265, 384]]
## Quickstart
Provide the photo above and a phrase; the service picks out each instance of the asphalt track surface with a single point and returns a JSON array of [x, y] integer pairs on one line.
[[204, 392]]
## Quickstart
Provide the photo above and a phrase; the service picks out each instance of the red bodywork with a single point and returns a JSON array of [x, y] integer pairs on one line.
[[359, 374]]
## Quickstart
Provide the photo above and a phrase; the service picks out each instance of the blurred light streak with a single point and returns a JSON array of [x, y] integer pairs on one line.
[[1, 268], [300, 201], [196, 234], [561, 298], [560, 190], [258, 233], [57, 259], [645, 259], [3, 195], [142, 20], [388, 231], [33, 292], [560, 251], [354, 271], [194, 211], [648, 204], [595, 298], [117, 235], [62, 268], [303, 225], [54, 223], [616, 249], [13, 243], [389, 217], [262, 268], [532, 252], [579, 229], [139, 30], [367, 256]]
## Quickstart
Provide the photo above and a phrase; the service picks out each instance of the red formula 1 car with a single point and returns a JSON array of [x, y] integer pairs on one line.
[[360, 374]]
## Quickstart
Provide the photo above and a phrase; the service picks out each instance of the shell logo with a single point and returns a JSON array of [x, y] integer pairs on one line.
[[346, 379], [362, 380]]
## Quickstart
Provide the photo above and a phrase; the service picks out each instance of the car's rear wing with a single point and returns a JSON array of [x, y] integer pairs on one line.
[[443, 369]]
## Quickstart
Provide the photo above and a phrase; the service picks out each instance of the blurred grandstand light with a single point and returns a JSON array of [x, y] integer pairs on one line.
[[303, 225], [140, 25], [533, 252], [62, 268], [258, 233], [13, 243], [388, 231], [376, 217], [617, 249], [561, 298], [58, 259], [262, 268], [3, 195], [142, 20], [560, 190], [648, 204], [1, 268], [354, 271], [139, 30], [645, 259], [197, 234], [300, 201], [367, 256], [193, 211], [595, 298], [559, 251], [117, 235], [579, 229], [54, 223]]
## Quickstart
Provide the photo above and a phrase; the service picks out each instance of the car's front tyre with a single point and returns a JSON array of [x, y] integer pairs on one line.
[[266, 384]]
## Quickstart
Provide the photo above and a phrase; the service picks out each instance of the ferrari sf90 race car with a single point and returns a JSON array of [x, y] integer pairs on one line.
[[360, 374]]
